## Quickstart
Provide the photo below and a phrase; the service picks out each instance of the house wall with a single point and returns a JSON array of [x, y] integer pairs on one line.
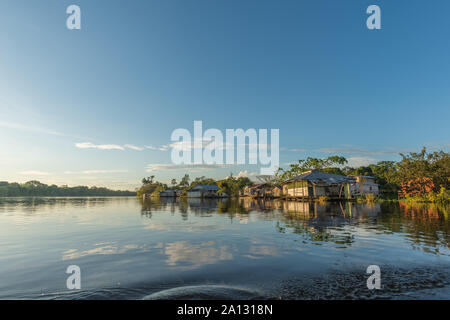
[[202, 194], [298, 192], [297, 189], [308, 191], [365, 179], [276, 192], [167, 194], [365, 188], [210, 193], [329, 191], [194, 194]]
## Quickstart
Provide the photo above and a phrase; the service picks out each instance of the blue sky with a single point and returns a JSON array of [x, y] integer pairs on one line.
[[137, 70]]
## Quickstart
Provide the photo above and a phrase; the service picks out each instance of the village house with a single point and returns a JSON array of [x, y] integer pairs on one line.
[[262, 190], [168, 193], [315, 183], [204, 191], [364, 185], [249, 191], [277, 191]]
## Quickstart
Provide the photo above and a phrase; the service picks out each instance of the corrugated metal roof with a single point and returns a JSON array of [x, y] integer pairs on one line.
[[204, 187], [369, 183], [368, 177], [260, 186], [317, 176]]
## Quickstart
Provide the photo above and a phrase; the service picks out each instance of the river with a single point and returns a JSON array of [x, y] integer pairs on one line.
[[220, 249]]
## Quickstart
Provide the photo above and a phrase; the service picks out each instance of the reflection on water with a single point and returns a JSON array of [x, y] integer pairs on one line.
[[128, 249], [425, 224]]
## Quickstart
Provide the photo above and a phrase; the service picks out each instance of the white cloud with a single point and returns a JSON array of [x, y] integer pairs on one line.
[[211, 144], [296, 150], [34, 173], [161, 148], [133, 147], [89, 145], [194, 167], [245, 173], [357, 150], [360, 161], [189, 145], [103, 171], [95, 171]]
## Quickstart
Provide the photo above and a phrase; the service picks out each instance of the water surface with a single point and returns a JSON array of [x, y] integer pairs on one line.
[[216, 249]]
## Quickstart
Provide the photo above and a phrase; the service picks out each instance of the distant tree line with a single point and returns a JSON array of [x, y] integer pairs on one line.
[[230, 185], [36, 188]]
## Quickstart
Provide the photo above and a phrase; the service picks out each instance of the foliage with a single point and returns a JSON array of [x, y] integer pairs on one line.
[[329, 165], [428, 172], [232, 185], [184, 181], [203, 180], [148, 180], [443, 196], [150, 188], [435, 166], [323, 199], [367, 198], [36, 189]]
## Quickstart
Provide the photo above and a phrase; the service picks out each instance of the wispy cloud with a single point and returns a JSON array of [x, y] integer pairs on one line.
[[23, 127], [359, 161], [293, 149], [95, 171], [34, 173], [193, 167], [133, 147], [161, 148], [245, 173], [190, 145], [357, 150], [90, 145], [362, 151]]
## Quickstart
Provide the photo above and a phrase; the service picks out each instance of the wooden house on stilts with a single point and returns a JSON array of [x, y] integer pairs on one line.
[[314, 184]]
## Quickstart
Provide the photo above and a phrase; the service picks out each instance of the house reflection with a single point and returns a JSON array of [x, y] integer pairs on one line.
[[425, 225]]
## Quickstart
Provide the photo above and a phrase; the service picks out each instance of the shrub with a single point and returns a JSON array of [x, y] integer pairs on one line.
[[323, 199], [370, 198]]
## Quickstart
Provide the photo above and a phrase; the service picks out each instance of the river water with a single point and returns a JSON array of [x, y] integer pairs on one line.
[[218, 249]]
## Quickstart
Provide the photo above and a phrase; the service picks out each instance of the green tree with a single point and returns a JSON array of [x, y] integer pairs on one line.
[[418, 165], [185, 181], [330, 165]]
